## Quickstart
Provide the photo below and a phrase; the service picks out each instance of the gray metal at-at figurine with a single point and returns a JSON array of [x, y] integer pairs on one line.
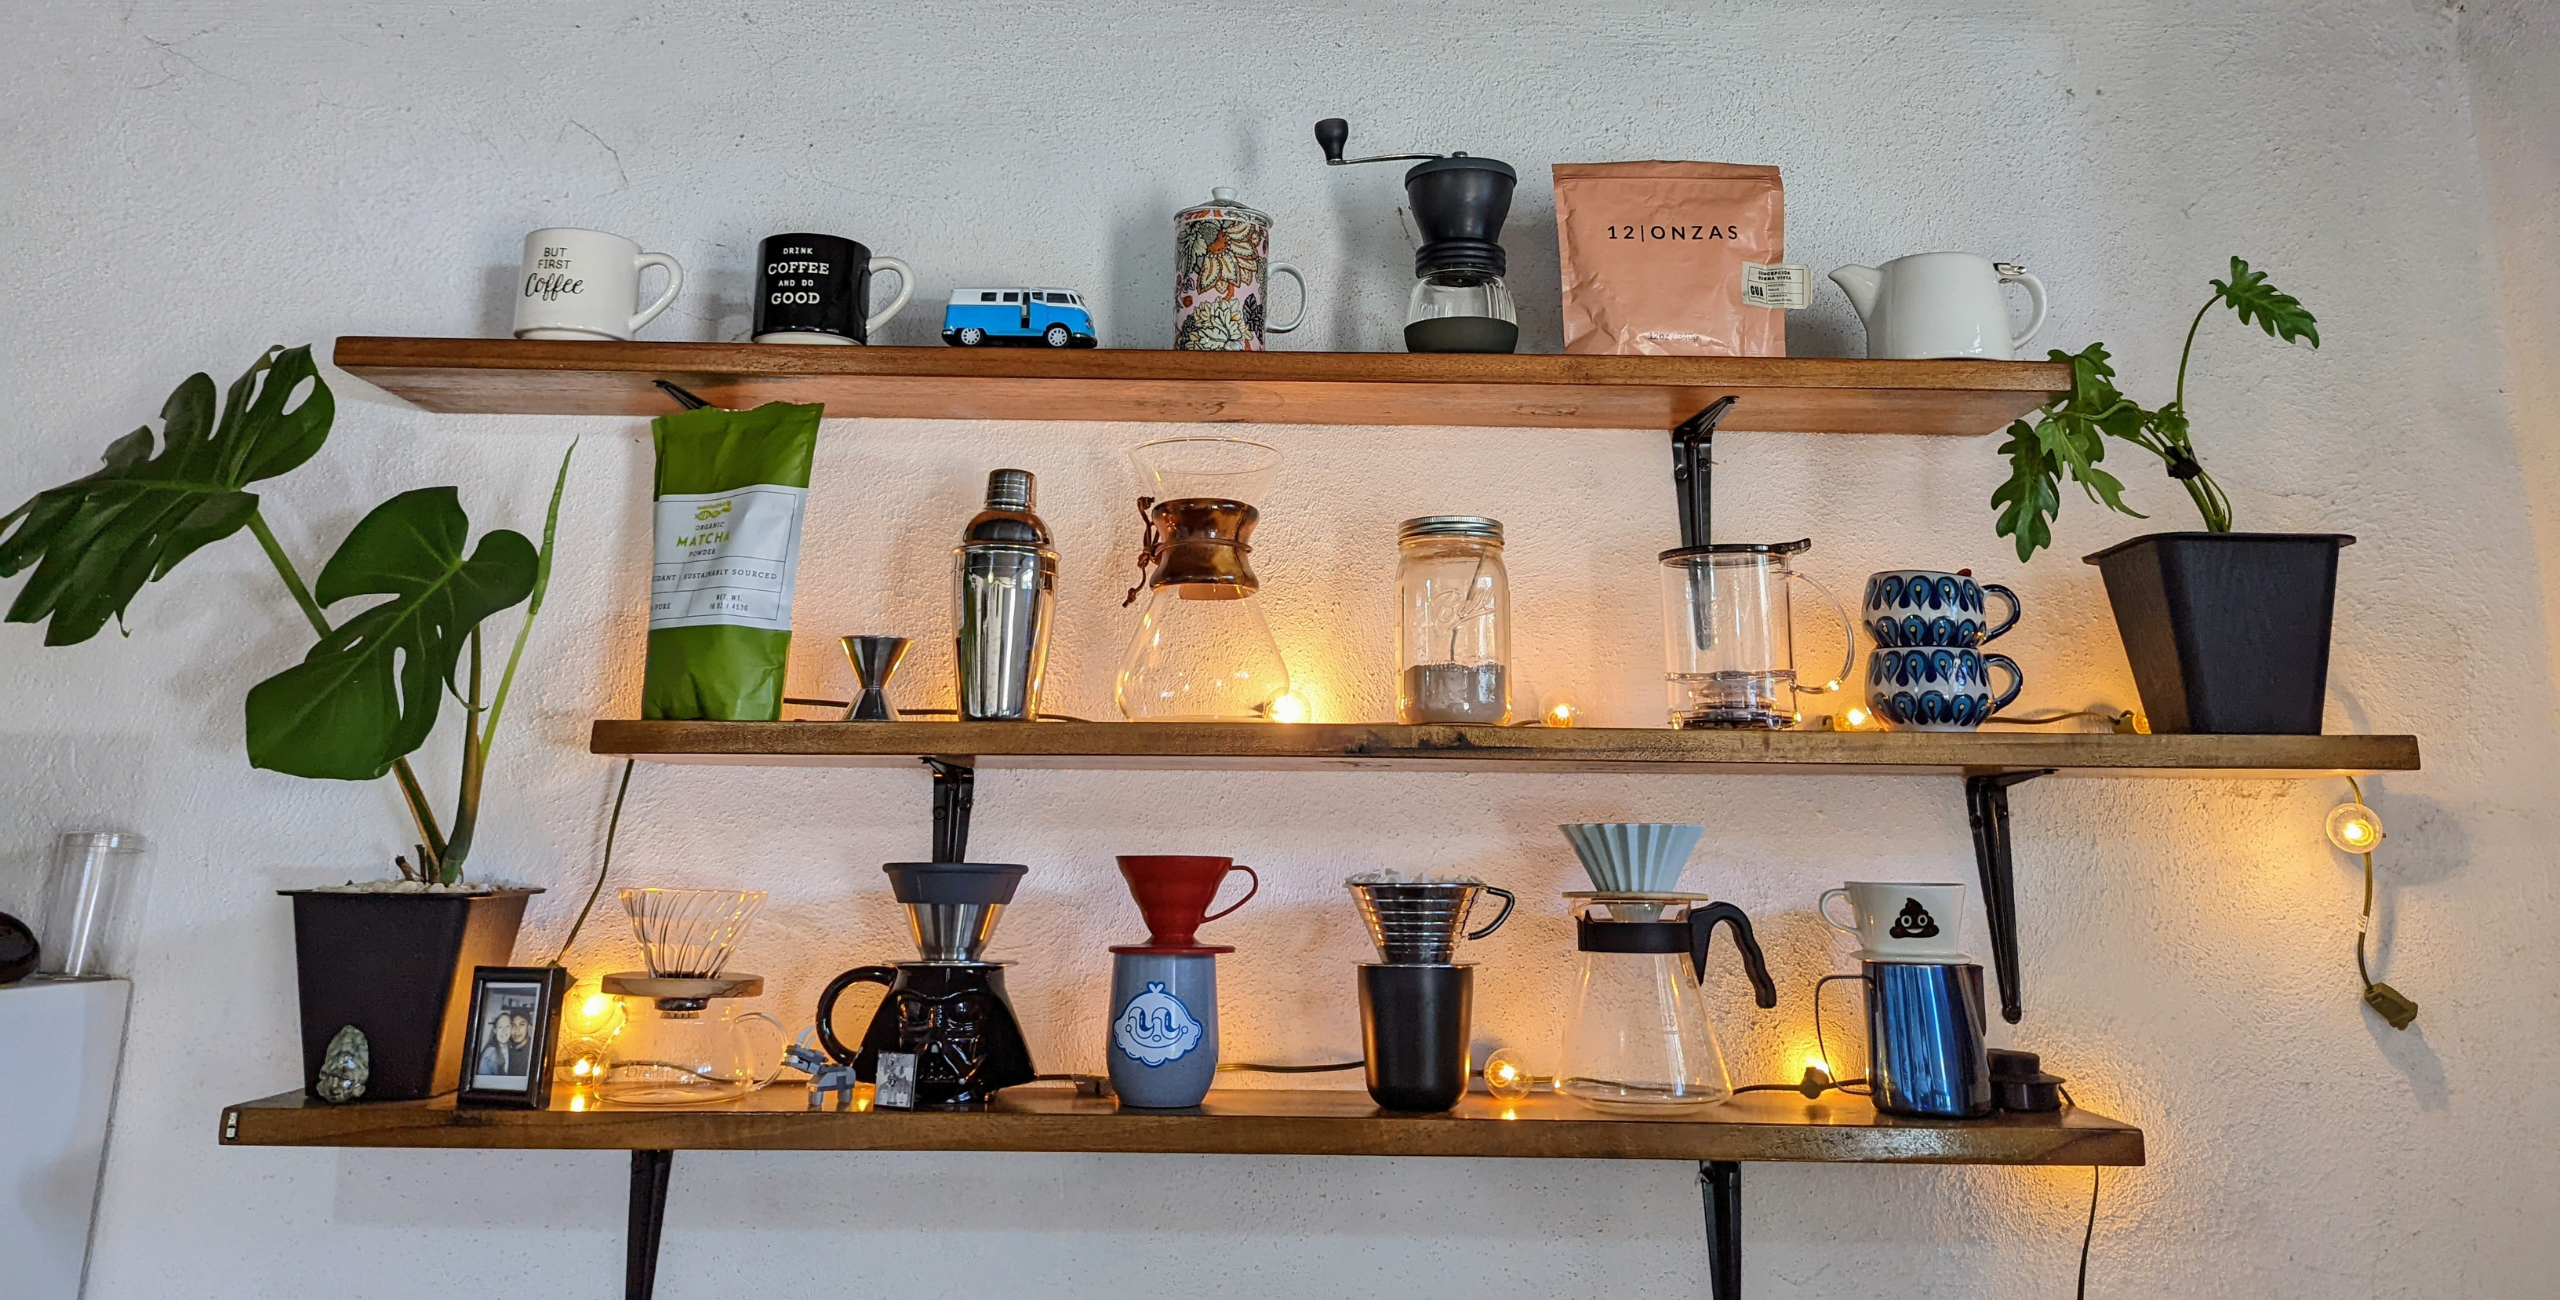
[[825, 1076]]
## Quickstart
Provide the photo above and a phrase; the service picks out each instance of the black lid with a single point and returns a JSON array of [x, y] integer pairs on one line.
[[953, 882], [1796, 547], [1459, 204]]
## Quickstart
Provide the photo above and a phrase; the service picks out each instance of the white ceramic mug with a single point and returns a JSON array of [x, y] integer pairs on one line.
[[583, 284], [1893, 921], [1930, 305]]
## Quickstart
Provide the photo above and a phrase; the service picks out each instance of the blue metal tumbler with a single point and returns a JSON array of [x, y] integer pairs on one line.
[[1925, 1051]]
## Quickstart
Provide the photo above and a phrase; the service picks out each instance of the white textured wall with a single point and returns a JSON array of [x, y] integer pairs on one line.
[[188, 182]]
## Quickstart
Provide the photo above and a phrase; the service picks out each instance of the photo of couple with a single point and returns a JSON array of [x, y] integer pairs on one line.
[[506, 1036]]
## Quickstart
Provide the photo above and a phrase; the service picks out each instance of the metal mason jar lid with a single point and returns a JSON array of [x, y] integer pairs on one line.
[[1476, 527]]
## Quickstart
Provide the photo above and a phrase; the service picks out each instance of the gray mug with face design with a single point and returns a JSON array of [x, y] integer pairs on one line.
[[1163, 1037]]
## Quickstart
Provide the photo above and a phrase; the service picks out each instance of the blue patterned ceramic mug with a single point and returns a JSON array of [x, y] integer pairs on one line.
[[1923, 607], [1937, 688]]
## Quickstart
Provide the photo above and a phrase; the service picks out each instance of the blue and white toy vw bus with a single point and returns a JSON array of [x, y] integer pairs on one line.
[[1056, 317]]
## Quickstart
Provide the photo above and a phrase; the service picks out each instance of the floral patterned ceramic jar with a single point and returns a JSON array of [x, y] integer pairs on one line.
[[1221, 277]]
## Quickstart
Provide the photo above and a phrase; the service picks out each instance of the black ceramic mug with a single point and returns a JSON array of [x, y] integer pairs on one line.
[[1413, 1031], [817, 289]]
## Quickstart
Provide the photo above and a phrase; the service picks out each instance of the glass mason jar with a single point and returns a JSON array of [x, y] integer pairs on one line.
[[1453, 626]]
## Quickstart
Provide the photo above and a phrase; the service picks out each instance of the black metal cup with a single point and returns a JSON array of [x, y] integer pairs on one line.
[[1413, 1030]]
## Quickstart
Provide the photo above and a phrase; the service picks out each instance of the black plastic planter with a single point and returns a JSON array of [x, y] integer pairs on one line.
[[398, 968], [2228, 632]]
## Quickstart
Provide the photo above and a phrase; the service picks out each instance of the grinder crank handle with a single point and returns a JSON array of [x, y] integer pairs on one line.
[[1702, 925], [884, 976]]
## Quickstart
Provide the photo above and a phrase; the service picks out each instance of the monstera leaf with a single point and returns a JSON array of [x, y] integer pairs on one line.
[[367, 694], [94, 541]]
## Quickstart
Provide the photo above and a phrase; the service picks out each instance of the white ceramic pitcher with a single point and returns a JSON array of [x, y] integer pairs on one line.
[[1941, 305]]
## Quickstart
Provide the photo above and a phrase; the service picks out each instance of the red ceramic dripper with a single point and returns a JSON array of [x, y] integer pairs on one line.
[[1174, 893]]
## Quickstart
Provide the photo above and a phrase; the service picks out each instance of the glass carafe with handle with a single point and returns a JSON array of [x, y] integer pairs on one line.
[[1729, 635], [688, 1044], [1639, 1039]]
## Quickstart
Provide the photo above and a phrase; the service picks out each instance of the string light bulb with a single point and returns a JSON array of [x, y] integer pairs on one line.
[[1855, 718], [1506, 1075], [1289, 706], [1559, 709], [2354, 828]]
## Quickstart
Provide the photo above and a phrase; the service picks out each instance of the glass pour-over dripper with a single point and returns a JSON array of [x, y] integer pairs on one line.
[[689, 1044], [1202, 652]]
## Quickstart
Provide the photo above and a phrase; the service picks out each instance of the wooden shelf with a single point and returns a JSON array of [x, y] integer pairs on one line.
[[1796, 394], [1270, 747], [1778, 1126]]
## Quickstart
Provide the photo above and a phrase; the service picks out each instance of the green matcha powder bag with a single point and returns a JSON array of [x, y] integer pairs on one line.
[[730, 490]]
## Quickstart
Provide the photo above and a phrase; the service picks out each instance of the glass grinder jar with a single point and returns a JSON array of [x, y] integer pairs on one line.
[[1453, 624]]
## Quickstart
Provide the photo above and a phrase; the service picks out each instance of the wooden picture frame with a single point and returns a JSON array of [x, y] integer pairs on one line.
[[512, 1028]]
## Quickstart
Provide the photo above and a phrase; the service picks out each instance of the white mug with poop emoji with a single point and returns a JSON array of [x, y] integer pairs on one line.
[[1894, 921]]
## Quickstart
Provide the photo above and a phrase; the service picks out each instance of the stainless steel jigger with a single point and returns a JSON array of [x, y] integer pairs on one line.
[[875, 660]]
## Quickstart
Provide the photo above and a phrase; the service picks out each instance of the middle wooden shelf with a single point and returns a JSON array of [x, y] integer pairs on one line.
[[1355, 745]]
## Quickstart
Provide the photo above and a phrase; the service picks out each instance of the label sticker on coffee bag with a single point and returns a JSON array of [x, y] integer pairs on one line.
[[1787, 287]]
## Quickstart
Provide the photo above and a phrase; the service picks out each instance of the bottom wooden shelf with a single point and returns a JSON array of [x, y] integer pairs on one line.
[[1774, 1126]]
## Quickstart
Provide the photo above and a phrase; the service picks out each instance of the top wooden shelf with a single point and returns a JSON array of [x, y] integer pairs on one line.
[[1316, 746], [1779, 1126], [1789, 394]]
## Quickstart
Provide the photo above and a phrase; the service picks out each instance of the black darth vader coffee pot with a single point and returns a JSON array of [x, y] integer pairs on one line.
[[949, 1009]]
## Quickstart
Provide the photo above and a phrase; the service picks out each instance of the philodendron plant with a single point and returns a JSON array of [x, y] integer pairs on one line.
[[367, 694], [2070, 435]]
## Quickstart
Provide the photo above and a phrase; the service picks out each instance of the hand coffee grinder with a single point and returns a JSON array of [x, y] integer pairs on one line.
[[1460, 303]]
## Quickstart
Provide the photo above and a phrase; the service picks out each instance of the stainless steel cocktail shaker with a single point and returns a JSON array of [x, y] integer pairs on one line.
[[1004, 576]]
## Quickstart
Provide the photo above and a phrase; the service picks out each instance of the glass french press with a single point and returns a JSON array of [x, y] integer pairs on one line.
[[1728, 630], [1202, 652], [1729, 635]]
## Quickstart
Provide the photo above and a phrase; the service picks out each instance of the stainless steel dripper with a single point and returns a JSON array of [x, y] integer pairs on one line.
[[1417, 923], [952, 906], [952, 931]]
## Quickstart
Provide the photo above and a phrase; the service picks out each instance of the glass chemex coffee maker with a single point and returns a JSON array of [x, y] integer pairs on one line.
[[1202, 652], [1460, 303], [1728, 627], [690, 1045], [948, 1009]]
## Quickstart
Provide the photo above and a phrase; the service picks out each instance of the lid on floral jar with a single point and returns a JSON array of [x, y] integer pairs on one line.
[[1222, 206]]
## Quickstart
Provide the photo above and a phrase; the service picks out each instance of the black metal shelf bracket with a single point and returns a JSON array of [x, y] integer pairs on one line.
[[649, 1171], [1986, 803], [955, 789], [1693, 445], [1720, 1184]]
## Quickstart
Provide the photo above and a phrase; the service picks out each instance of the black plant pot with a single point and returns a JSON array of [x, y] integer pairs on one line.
[[2228, 632], [398, 968]]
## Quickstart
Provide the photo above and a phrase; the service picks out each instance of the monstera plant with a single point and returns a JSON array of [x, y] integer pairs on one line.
[[368, 693]]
